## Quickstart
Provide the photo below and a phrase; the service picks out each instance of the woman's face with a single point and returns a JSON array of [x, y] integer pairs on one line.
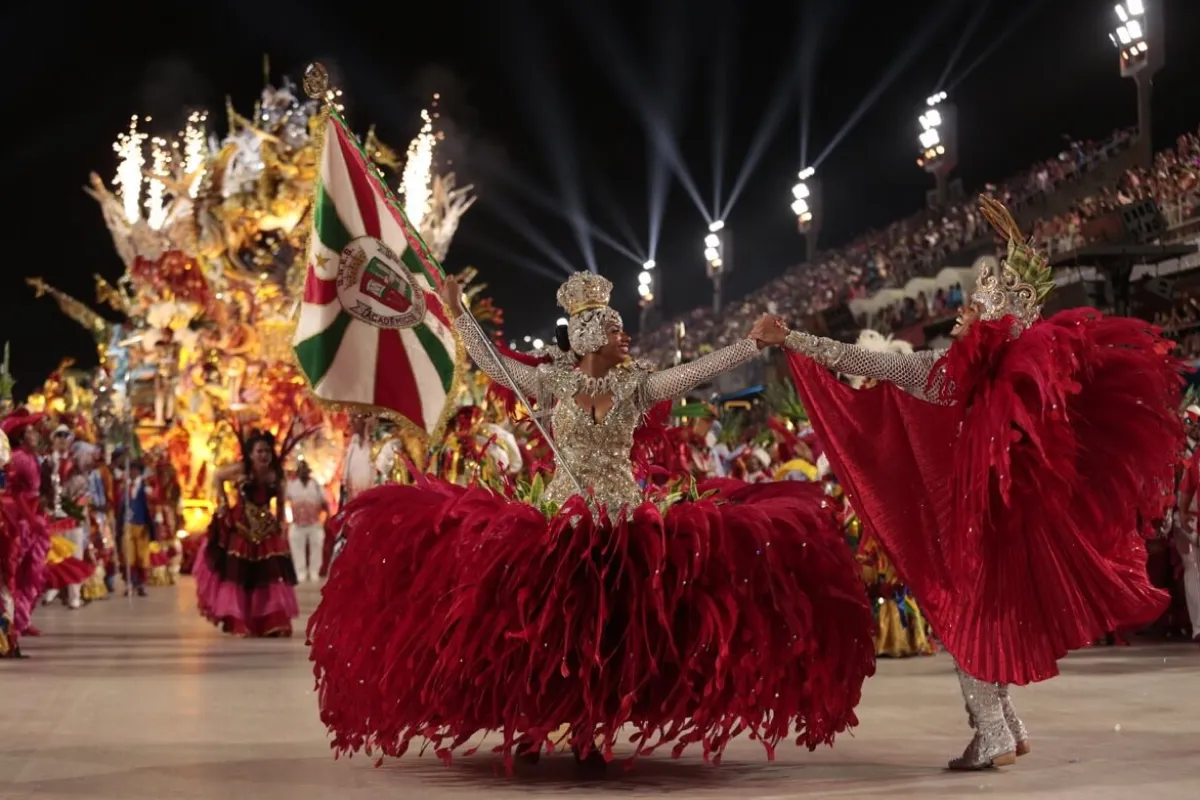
[[30, 437], [968, 315], [616, 345], [260, 456]]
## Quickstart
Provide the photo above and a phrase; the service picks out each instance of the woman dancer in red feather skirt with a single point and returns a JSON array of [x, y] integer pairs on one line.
[[1019, 466], [455, 611]]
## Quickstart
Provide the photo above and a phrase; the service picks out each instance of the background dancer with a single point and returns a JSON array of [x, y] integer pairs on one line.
[[22, 508], [245, 578], [1184, 532], [306, 533]]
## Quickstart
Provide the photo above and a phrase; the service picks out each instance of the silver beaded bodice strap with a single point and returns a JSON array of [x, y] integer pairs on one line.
[[678, 381], [993, 744]]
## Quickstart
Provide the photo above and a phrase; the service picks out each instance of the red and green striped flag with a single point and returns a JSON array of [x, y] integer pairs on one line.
[[372, 332]]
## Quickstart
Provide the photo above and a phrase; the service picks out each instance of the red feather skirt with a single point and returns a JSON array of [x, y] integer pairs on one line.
[[455, 611]]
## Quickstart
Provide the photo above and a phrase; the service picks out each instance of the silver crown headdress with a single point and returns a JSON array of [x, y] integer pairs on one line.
[[585, 298]]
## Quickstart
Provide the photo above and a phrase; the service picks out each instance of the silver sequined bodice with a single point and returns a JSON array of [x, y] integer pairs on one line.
[[597, 452]]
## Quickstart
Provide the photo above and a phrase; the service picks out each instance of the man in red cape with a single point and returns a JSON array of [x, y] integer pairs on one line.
[[1008, 477]]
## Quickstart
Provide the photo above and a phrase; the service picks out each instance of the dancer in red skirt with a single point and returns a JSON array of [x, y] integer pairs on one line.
[[28, 536], [1008, 477], [245, 580], [454, 610]]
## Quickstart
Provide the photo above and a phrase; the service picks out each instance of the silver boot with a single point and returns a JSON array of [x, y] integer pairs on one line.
[[1015, 725], [993, 744]]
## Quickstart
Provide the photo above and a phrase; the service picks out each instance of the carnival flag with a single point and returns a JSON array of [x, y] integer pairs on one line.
[[372, 332]]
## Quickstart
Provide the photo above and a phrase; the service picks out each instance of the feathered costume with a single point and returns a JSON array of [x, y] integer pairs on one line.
[[455, 610], [245, 579], [1014, 484], [28, 535]]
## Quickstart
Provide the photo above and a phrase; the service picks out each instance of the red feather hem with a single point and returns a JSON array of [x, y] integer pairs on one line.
[[454, 611]]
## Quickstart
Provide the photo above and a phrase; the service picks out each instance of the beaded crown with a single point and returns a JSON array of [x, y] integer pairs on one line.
[[584, 291], [1023, 280]]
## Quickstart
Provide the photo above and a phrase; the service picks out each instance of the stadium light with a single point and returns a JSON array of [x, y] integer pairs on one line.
[[938, 139], [806, 205], [800, 206], [715, 247], [649, 264], [538, 344], [558, 323], [1138, 37], [1130, 34]]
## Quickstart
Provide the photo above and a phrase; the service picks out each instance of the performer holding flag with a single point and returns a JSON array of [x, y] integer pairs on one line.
[[591, 608]]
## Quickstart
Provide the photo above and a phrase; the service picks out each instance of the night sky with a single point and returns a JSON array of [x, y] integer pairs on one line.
[[534, 105]]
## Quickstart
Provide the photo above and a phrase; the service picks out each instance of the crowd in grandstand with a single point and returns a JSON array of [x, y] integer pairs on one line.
[[919, 246]]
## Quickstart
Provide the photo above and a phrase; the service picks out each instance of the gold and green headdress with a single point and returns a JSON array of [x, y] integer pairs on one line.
[[1023, 281]]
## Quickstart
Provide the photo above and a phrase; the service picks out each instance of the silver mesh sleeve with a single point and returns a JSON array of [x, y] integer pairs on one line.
[[907, 370], [678, 381], [527, 377]]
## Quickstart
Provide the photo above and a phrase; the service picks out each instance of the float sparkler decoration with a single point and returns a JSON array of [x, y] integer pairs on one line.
[[195, 151], [128, 180], [156, 189], [417, 181]]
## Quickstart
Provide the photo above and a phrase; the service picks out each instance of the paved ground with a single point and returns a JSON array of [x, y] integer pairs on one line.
[[144, 700]]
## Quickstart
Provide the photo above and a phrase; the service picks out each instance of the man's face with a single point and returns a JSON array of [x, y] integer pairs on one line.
[[61, 442]]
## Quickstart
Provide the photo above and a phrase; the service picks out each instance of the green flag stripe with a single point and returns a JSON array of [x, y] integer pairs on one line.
[[317, 353], [437, 353], [330, 228], [414, 263]]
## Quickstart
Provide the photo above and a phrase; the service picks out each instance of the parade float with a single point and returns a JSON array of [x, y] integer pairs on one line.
[[194, 337]]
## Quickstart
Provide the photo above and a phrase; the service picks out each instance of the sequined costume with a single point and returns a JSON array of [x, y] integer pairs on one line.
[[245, 580], [1019, 467], [456, 610]]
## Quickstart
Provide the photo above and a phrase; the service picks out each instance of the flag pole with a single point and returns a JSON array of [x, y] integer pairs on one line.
[[502, 365]]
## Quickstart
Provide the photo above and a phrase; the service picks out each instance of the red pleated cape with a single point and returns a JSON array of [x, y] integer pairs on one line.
[[1015, 513]]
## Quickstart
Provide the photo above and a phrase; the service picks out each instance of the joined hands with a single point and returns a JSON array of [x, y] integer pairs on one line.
[[769, 330]]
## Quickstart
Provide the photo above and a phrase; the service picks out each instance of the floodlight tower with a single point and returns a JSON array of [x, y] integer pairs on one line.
[[1139, 38], [648, 293], [806, 205], [939, 143], [717, 247]]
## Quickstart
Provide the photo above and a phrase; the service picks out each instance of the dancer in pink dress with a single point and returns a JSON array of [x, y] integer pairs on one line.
[[245, 578]]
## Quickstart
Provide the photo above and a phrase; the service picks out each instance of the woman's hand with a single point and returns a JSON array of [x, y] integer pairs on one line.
[[451, 295], [769, 330]]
